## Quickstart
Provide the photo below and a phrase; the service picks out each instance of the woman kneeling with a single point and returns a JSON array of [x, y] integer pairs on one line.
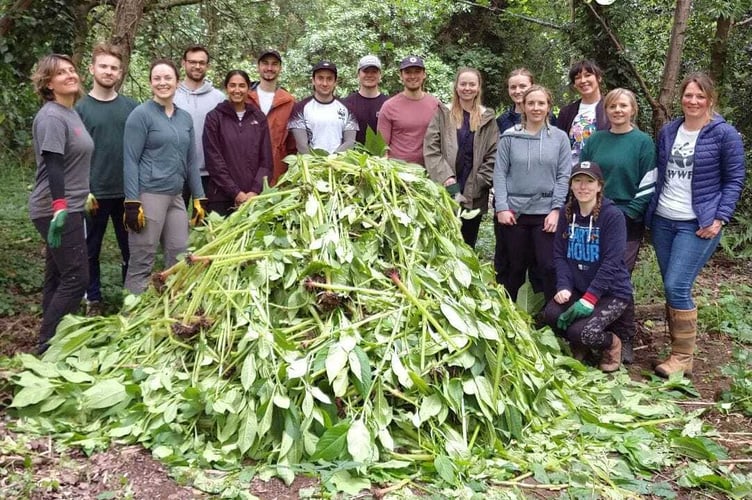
[[592, 280]]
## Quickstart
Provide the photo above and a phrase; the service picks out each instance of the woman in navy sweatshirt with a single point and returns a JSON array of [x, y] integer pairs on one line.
[[592, 281]]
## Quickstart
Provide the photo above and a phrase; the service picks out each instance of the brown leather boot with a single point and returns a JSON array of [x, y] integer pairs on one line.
[[683, 329], [611, 357]]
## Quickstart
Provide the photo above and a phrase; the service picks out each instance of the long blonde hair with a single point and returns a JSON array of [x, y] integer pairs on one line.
[[477, 109]]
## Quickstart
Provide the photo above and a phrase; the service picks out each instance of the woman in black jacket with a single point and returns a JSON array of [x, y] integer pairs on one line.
[[237, 147]]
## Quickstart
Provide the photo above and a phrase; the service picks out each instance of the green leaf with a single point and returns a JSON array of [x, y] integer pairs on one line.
[[247, 430], [454, 317], [335, 362], [699, 448], [332, 443], [359, 442], [375, 143], [104, 394], [31, 395], [350, 485], [430, 407], [445, 468], [248, 372]]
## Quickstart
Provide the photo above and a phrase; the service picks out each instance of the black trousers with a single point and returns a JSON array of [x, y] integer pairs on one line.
[[96, 226], [470, 229], [66, 274], [525, 245]]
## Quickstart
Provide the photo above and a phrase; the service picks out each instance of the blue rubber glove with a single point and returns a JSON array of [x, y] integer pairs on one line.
[[59, 214], [580, 309]]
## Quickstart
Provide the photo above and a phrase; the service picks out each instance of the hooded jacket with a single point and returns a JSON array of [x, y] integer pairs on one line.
[[718, 173], [282, 142], [238, 151], [440, 149], [590, 259], [198, 103], [531, 175]]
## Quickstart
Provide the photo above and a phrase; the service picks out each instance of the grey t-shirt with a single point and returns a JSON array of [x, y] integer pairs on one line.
[[58, 129]]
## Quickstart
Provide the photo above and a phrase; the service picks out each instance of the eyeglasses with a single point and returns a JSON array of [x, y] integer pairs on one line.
[[196, 63]]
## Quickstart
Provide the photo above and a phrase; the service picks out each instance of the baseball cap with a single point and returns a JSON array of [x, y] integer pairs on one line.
[[369, 61], [269, 52], [412, 61], [324, 65], [589, 168]]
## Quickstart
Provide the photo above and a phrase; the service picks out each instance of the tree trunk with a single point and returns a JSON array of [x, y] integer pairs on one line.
[[719, 48], [128, 15], [673, 63]]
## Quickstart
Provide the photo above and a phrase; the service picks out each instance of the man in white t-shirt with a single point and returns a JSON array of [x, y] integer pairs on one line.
[[323, 121]]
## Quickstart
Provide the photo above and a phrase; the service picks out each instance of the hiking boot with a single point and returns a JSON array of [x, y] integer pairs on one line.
[[683, 329], [611, 356]]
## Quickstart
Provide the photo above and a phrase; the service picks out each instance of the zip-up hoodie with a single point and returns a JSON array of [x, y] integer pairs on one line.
[[591, 258], [531, 175], [283, 143], [440, 155], [238, 151], [198, 103]]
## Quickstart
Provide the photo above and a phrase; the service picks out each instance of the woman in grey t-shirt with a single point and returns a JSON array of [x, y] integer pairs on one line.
[[62, 148]]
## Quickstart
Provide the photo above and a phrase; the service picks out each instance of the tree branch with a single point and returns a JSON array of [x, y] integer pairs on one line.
[[620, 49], [742, 23], [502, 12]]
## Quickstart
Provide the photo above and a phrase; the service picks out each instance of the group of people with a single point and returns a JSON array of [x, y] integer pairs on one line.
[[572, 195]]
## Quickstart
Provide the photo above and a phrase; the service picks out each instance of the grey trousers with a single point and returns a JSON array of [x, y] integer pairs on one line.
[[166, 224]]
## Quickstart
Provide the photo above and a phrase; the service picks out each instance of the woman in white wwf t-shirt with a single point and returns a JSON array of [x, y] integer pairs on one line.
[[581, 118], [700, 177]]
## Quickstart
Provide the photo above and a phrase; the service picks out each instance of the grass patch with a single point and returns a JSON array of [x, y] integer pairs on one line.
[[22, 248]]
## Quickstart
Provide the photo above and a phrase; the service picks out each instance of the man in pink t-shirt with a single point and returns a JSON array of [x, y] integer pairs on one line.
[[405, 117]]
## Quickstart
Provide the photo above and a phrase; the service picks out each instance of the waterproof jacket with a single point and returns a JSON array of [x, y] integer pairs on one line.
[[718, 173], [283, 143], [569, 112], [440, 155], [238, 152]]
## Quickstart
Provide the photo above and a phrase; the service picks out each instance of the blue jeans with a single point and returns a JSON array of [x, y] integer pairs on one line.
[[681, 256]]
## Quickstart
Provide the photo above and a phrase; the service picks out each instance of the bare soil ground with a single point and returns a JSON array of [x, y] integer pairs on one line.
[[41, 471]]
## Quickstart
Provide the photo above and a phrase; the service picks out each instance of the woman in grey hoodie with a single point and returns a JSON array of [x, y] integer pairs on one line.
[[530, 181]]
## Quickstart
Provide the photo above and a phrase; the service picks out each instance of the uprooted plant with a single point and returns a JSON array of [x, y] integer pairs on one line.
[[337, 323]]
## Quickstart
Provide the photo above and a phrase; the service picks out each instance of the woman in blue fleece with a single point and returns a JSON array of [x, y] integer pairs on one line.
[[159, 155], [700, 177], [592, 280], [533, 161]]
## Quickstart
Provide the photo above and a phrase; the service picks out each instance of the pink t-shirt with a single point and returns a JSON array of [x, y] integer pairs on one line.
[[403, 123]]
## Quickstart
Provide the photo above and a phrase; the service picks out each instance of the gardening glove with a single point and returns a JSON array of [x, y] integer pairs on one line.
[[133, 218], [580, 309], [199, 211], [92, 205], [59, 214], [453, 189]]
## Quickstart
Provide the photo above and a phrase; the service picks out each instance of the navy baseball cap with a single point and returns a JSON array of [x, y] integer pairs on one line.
[[324, 65], [412, 62]]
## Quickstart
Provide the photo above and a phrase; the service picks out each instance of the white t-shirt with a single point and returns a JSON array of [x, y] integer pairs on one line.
[[265, 100], [675, 201], [583, 126], [325, 123]]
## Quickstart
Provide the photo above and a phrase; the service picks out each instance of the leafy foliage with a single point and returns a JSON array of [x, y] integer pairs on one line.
[[337, 323], [739, 394]]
